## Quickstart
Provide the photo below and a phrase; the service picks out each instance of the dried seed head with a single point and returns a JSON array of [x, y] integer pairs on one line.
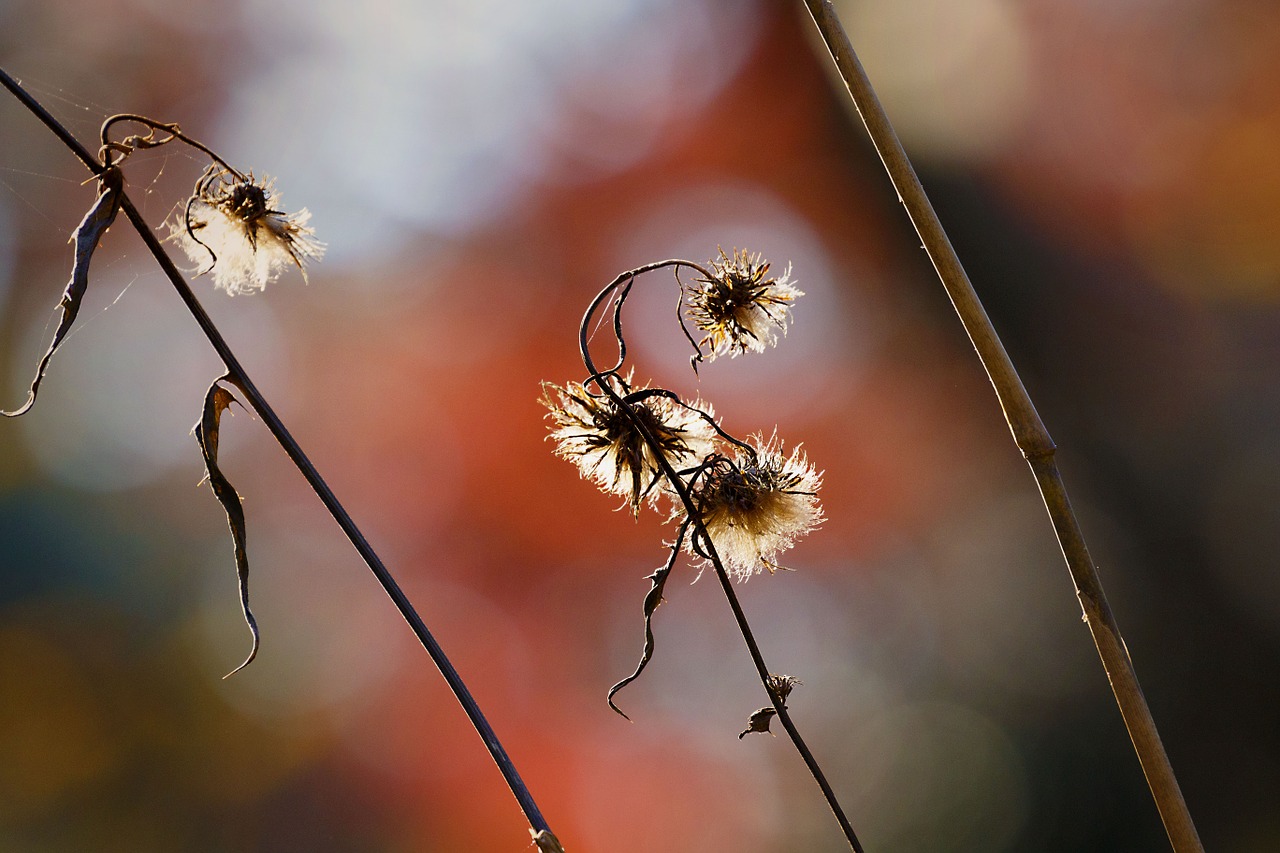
[[235, 224], [739, 307], [782, 685], [755, 507], [598, 436]]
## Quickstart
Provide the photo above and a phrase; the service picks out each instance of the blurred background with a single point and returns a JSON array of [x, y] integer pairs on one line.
[[1108, 173]]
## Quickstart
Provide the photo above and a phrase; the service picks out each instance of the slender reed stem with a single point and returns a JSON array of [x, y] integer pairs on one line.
[[678, 485], [1028, 431], [308, 471]]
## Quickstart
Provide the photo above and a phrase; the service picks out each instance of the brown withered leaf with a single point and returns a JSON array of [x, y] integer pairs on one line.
[[87, 237], [759, 722], [216, 401], [651, 601]]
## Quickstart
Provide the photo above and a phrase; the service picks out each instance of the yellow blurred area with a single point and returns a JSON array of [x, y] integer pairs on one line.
[[53, 736]]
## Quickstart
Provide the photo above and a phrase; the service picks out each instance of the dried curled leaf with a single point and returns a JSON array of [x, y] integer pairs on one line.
[[216, 401], [87, 237], [651, 601], [546, 842], [759, 722]]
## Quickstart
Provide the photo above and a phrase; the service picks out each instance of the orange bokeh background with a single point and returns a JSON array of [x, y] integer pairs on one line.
[[479, 172]]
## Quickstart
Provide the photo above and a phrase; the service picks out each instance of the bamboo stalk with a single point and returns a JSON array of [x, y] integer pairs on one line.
[[1029, 434]]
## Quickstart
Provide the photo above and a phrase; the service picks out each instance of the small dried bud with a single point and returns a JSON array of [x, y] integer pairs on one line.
[[755, 506], [235, 224], [782, 685], [598, 436], [739, 307]]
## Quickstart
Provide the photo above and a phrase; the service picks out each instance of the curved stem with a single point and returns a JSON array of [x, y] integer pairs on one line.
[[700, 532], [1029, 434], [624, 279], [308, 471], [171, 128]]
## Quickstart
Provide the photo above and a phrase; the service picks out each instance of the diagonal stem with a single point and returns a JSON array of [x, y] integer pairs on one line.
[[779, 705], [1028, 431], [304, 465]]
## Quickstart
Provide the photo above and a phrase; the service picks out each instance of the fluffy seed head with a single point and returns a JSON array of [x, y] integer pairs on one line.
[[594, 433], [235, 226], [739, 307], [755, 507]]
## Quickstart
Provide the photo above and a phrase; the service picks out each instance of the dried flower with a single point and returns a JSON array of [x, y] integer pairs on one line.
[[233, 222], [754, 506], [594, 433], [782, 685], [739, 307]]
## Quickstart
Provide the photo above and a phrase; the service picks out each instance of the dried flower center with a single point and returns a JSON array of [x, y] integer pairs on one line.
[[741, 492], [619, 429], [247, 201], [735, 293]]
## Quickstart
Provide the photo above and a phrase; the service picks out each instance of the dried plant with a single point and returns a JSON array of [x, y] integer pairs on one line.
[[599, 436], [755, 503], [231, 225], [736, 504], [231, 221], [737, 308]]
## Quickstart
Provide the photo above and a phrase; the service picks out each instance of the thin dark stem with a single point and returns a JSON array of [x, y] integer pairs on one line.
[[340, 515], [758, 659], [295, 453], [1029, 434], [700, 535]]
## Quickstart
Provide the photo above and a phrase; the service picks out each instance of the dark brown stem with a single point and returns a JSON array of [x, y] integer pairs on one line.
[[307, 469], [1029, 434]]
